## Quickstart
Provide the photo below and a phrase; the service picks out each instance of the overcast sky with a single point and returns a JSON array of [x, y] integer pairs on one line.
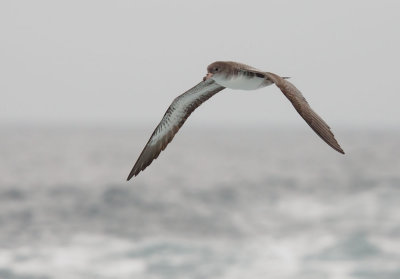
[[123, 62]]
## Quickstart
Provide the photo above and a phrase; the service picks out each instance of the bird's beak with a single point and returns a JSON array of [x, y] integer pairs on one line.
[[209, 75]]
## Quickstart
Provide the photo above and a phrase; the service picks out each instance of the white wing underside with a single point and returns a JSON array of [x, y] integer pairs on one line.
[[173, 119]]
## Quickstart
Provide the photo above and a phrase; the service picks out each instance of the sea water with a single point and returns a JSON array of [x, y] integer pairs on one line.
[[218, 203]]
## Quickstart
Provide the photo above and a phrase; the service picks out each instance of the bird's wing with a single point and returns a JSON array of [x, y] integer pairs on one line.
[[303, 108], [173, 119]]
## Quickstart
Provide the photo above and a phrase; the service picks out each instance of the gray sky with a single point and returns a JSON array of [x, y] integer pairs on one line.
[[123, 62]]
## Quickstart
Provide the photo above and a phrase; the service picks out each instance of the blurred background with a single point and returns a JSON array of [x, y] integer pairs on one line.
[[246, 189]]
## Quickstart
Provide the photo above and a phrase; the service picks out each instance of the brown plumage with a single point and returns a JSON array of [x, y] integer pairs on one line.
[[222, 75], [303, 108]]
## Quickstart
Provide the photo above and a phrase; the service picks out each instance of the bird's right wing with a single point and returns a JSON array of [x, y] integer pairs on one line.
[[303, 108], [173, 119]]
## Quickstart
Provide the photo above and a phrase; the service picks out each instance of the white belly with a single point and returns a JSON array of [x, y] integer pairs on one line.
[[241, 82]]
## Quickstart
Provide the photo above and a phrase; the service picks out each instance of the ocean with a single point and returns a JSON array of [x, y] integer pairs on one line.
[[218, 203]]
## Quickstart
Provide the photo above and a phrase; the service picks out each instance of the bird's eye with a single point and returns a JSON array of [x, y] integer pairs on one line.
[[216, 69]]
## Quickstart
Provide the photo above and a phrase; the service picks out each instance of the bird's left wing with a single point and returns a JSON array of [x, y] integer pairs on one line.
[[173, 119], [320, 127]]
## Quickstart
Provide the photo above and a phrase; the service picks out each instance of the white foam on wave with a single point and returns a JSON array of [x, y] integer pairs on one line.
[[84, 256]]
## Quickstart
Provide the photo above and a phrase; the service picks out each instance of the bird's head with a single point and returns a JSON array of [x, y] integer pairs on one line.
[[216, 69]]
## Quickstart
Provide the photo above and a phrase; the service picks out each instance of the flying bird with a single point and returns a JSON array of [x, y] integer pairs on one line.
[[221, 75]]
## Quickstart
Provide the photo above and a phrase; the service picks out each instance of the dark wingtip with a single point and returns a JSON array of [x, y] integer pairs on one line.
[[335, 145], [131, 174], [338, 148]]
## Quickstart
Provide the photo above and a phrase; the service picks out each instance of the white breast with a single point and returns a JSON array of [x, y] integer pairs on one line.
[[241, 82]]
